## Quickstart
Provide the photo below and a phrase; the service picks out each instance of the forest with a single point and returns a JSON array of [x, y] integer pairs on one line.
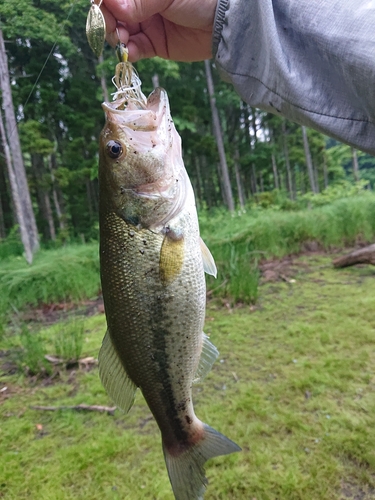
[[51, 89]]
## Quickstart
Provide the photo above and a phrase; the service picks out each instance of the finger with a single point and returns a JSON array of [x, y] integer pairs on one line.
[[135, 11], [113, 30], [147, 40], [139, 47], [120, 33], [110, 21]]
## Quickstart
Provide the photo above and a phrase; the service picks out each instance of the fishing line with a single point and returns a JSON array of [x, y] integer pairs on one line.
[[47, 59]]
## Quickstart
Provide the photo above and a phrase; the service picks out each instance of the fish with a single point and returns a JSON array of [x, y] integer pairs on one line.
[[152, 262]]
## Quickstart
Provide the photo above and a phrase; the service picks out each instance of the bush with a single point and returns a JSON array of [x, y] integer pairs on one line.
[[12, 245]]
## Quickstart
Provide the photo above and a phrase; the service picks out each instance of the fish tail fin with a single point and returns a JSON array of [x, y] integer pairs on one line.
[[186, 472]]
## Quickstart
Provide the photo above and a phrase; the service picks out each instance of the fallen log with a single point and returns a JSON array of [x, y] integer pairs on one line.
[[364, 255]]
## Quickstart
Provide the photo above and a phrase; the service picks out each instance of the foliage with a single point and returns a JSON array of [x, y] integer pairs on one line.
[[337, 191], [11, 246], [277, 233], [237, 242], [31, 358], [238, 274], [25, 19], [33, 138], [240, 241], [66, 274], [58, 86], [293, 386], [68, 341]]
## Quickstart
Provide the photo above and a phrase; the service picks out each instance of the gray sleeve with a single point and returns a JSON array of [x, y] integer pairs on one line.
[[312, 61]]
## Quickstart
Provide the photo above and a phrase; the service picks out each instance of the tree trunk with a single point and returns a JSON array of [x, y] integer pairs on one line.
[[37, 163], [310, 168], [6, 196], [302, 177], [16, 196], [209, 183], [287, 161], [241, 197], [355, 165], [219, 139], [244, 121], [2, 222], [325, 171], [254, 184], [221, 183], [316, 177], [11, 137], [55, 192], [362, 256], [261, 183], [275, 175]]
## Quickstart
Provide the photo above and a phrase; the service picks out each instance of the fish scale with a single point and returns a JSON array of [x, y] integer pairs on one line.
[[145, 319]]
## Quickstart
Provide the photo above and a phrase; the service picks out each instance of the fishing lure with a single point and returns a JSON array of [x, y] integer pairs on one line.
[[95, 28]]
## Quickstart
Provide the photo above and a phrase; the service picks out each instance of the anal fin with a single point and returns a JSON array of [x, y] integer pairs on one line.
[[208, 357], [114, 377]]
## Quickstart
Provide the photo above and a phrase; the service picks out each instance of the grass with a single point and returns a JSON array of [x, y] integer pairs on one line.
[[294, 386], [237, 243], [278, 233], [69, 341], [31, 357], [70, 273]]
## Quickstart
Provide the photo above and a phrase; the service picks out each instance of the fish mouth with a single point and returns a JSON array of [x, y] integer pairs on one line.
[[122, 105], [137, 114], [150, 130]]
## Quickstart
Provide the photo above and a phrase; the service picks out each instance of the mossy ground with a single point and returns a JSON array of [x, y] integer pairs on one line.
[[293, 386]]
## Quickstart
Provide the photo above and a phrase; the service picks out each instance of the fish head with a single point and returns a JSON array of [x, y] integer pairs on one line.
[[141, 172]]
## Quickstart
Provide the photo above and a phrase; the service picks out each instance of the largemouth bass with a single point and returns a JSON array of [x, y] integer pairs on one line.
[[152, 271]]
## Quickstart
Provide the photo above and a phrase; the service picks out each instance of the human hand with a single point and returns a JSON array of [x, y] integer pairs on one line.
[[180, 30]]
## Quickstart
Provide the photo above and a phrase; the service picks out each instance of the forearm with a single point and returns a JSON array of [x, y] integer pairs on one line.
[[311, 61]]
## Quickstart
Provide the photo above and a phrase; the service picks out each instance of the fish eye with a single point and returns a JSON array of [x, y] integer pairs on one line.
[[114, 149]]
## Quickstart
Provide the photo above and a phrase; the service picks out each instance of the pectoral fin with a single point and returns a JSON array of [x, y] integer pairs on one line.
[[114, 377], [209, 265], [208, 357]]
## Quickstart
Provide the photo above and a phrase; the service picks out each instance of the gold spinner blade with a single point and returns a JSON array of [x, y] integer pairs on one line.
[[95, 28]]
